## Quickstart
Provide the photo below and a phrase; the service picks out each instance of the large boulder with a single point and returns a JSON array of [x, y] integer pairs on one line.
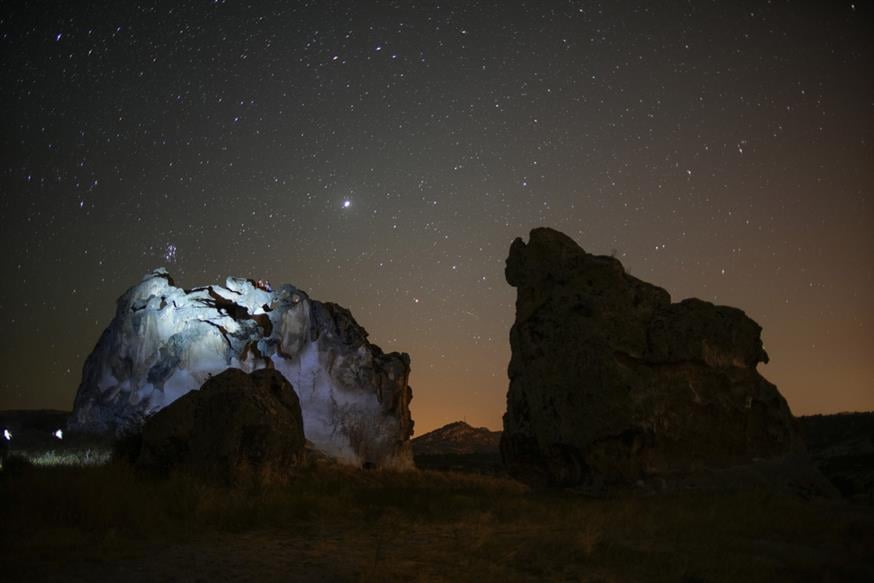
[[235, 427], [165, 341], [610, 382]]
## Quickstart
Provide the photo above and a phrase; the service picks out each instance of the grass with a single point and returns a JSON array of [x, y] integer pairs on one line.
[[347, 524], [43, 449], [79, 457]]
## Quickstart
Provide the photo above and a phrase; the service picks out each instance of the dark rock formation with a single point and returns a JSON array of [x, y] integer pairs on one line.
[[237, 426], [457, 438], [166, 341], [612, 383]]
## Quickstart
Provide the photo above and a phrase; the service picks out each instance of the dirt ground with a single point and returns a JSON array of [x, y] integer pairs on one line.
[[412, 553], [330, 555], [113, 523]]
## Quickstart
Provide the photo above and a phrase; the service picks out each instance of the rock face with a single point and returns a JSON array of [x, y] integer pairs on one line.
[[166, 341], [236, 426], [612, 383]]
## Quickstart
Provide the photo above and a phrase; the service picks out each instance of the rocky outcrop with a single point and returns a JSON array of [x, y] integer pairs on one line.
[[166, 341], [238, 426], [610, 382]]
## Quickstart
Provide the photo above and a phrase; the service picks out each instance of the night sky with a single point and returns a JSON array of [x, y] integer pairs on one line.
[[384, 156]]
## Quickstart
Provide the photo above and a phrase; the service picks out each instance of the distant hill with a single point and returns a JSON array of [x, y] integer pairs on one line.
[[461, 448], [842, 446], [457, 438], [842, 430]]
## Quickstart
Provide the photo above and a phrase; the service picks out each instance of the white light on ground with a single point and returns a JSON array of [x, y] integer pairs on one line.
[[59, 434]]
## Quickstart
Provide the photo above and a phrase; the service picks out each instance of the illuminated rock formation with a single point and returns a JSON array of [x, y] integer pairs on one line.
[[166, 341], [612, 383]]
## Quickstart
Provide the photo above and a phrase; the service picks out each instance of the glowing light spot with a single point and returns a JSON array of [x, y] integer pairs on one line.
[[59, 434], [347, 203], [7, 435], [170, 253]]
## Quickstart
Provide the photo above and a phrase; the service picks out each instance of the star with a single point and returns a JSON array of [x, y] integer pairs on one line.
[[285, 118]]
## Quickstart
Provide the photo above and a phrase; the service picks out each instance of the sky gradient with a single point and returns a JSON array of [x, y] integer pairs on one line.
[[384, 156]]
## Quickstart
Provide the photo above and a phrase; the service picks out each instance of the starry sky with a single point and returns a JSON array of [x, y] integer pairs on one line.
[[384, 155]]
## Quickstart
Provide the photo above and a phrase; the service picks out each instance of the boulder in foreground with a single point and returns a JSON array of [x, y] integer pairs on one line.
[[237, 426]]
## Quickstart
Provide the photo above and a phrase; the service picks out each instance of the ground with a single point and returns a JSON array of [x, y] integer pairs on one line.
[[112, 523]]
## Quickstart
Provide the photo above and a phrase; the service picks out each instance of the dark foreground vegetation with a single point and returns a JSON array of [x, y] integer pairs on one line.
[[110, 522]]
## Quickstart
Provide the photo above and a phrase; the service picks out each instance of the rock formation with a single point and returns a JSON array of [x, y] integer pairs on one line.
[[166, 341], [612, 383], [235, 427]]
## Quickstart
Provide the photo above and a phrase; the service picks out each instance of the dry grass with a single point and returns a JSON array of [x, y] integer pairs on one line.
[[41, 449], [81, 457], [344, 524]]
